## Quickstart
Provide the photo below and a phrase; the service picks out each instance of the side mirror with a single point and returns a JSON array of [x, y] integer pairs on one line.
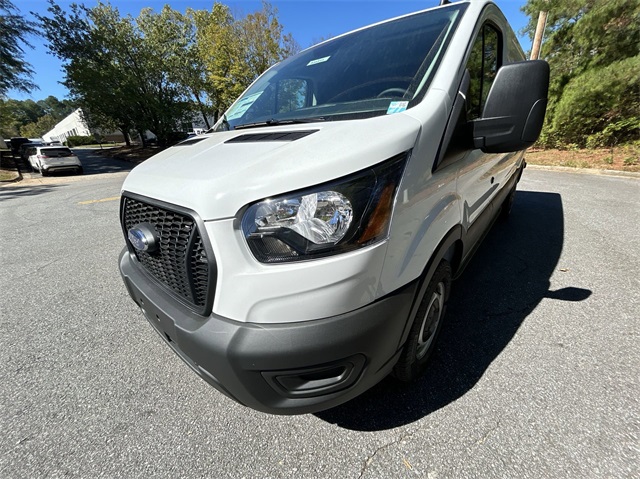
[[515, 107]]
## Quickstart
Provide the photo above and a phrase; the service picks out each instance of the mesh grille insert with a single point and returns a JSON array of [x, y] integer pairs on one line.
[[180, 262]]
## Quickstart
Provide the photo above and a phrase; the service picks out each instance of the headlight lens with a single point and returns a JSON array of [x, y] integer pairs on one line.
[[322, 218], [336, 217]]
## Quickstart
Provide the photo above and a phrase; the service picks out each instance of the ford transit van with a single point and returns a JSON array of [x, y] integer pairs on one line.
[[305, 247]]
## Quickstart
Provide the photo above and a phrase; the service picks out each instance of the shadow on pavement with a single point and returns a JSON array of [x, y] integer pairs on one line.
[[12, 192], [505, 281], [95, 164]]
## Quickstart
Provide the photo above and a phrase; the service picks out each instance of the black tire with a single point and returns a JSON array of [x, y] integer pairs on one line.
[[43, 172], [505, 209], [426, 327]]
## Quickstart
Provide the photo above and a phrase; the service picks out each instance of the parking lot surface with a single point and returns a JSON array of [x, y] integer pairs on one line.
[[536, 374]]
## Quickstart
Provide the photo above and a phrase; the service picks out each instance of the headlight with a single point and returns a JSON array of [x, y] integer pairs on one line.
[[332, 218]]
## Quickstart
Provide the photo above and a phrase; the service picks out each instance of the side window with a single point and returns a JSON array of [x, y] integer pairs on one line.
[[483, 66]]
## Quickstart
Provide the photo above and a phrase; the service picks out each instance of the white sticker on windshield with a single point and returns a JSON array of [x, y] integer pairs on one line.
[[397, 107], [242, 106], [318, 60]]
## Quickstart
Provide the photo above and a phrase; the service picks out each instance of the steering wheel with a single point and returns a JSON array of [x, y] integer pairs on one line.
[[400, 92], [383, 81]]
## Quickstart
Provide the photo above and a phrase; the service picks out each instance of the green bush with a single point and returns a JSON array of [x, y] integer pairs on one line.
[[616, 133], [548, 138], [602, 104], [80, 140]]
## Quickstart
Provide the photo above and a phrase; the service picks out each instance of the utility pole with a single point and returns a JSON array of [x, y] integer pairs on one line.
[[537, 39]]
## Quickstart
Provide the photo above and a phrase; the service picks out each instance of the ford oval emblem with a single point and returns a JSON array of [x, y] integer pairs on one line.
[[143, 237]]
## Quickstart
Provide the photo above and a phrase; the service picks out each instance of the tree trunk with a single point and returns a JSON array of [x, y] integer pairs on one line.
[[125, 134], [204, 117], [142, 138], [202, 110]]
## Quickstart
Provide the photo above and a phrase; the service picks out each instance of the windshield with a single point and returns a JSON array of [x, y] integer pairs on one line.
[[376, 71]]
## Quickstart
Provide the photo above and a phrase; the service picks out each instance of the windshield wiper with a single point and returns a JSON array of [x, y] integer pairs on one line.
[[225, 125], [274, 122]]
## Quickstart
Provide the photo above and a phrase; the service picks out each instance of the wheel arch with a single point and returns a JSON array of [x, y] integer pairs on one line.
[[450, 249]]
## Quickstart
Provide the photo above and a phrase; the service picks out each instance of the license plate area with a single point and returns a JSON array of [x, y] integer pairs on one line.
[[158, 319]]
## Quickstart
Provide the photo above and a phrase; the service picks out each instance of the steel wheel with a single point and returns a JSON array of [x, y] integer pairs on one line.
[[431, 321], [423, 334]]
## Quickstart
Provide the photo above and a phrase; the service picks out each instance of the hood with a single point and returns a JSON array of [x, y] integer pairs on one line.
[[216, 177]]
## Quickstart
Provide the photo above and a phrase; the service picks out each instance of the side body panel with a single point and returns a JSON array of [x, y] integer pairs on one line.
[[430, 205]]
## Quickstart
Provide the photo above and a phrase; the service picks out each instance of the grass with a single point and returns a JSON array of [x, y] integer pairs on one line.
[[6, 175]]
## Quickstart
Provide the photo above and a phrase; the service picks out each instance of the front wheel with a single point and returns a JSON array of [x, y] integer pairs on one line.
[[426, 326]]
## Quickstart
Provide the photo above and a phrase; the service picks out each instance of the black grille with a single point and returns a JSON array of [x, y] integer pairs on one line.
[[180, 262]]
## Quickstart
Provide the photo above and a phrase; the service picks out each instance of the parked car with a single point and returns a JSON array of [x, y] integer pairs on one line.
[[306, 248], [47, 159], [24, 148]]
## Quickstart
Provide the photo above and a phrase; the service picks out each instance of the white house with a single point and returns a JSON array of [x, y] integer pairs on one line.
[[72, 125]]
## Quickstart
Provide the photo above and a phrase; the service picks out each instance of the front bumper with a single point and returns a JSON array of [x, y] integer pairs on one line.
[[279, 368]]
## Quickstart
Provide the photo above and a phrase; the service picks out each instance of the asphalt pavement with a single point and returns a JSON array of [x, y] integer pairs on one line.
[[536, 374]]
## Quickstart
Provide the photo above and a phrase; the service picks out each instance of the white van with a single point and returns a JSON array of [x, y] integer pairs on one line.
[[305, 248]]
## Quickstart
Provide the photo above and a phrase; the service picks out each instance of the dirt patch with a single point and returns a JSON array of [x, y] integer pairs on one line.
[[625, 158]]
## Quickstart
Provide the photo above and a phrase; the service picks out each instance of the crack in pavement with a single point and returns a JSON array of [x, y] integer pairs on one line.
[[370, 458]]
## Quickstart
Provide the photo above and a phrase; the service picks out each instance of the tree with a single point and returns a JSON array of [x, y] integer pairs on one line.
[[585, 39], [7, 120], [56, 108], [152, 72], [601, 106], [16, 115], [19, 113], [38, 128], [236, 51], [15, 73], [117, 67], [185, 67]]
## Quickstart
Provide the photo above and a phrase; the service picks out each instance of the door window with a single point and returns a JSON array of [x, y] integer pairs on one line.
[[483, 66]]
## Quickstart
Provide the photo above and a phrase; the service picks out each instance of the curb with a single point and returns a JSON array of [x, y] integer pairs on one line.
[[585, 171]]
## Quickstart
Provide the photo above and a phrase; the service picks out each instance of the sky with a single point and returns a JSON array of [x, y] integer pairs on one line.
[[307, 20]]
